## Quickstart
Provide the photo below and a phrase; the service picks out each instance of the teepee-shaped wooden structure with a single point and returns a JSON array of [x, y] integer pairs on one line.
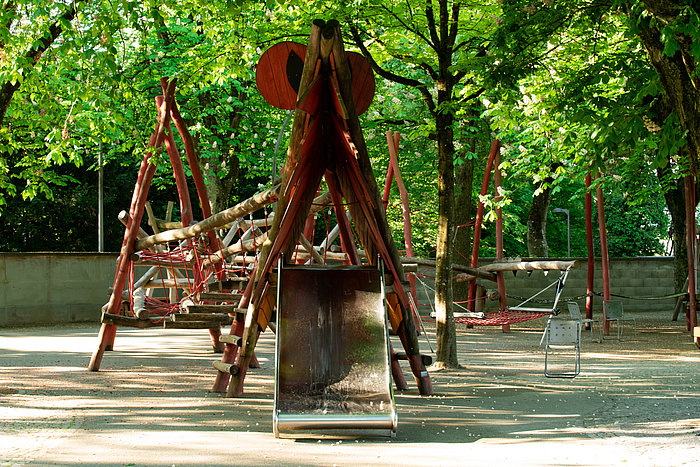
[[326, 87]]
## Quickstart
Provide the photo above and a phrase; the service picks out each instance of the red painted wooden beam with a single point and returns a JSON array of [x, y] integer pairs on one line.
[[603, 253], [476, 243], [589, 248]]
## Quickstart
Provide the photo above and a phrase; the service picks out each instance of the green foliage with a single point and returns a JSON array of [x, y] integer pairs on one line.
[[566, 87]]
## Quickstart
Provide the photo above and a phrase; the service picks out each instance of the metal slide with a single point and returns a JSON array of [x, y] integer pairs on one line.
[[332, 370]]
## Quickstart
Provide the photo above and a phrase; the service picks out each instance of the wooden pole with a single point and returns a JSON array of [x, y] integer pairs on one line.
[[251, 297], [138, 201], [500, 279], [393, 141], [347, 242], [387, 181], [409, 336], [217, 220], [605, 262], [197, 177], [691, 310], [589, 249], [183, 192], [495, 147]]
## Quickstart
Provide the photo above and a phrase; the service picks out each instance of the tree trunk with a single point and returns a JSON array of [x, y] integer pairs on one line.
[[677, 72], [537, 224], [220, 189], [464, 206], [446, 336], [675, 202]]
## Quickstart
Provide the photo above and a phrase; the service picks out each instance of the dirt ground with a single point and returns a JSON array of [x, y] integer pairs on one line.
[[635, 402]]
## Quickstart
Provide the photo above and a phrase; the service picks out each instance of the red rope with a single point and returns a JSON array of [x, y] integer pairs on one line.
[[500, 318]]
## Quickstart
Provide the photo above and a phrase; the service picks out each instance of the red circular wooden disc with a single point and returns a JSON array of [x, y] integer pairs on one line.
[[362, 82], [271, 74]]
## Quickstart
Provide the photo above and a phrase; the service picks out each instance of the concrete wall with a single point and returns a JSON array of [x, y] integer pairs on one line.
[[38, 288], [630, 277]]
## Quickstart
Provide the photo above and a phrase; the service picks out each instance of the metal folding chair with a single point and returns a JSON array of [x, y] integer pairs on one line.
[[612, 310], [575, 313], [563, 336]]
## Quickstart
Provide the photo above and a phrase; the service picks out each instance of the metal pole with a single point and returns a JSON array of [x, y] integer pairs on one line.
[[100, 202], [568, 234], [568, 229]]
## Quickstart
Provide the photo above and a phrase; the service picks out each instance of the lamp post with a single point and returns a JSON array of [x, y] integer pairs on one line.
[[568, 229]]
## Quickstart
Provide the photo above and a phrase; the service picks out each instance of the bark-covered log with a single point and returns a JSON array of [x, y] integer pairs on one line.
[[217, 220]]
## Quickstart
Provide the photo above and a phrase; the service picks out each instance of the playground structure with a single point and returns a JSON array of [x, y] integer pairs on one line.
[[221, 270], [224, 270]]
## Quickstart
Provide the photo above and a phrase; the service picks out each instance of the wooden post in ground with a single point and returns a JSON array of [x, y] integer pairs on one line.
[[500, 279], [393, 141], [603, 254], [589, 249], [138, 201], [690, 235], [476, 243]]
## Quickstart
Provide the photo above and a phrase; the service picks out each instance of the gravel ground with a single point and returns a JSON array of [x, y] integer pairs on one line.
[[635, 402]]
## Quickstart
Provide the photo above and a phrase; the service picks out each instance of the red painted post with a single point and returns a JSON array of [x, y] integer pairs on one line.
[[393, 142], [396, 372], [183, 192], [387, 183], [346, 239], [495, 147], [197, 177], [605, 262], [589, 249], [138, 201], [500, 279], [690, 236]]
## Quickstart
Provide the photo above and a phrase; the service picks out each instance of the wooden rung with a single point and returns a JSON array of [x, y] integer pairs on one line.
[[190, 325], [168, 283], [128, 321], [234, 283], [226, 367], [230, 339], [426, 359], [212, 309], [228, 309], [222, 318], [218, 297]]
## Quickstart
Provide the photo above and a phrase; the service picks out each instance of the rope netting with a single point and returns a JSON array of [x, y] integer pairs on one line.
[[502, 317]]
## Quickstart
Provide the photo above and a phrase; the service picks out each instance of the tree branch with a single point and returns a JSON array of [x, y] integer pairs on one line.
[[386, 74], [32, 56], [432, 29]]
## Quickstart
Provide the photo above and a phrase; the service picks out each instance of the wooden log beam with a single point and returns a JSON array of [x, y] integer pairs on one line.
[[306, 244], [529, 266], [251, 245], [201, 309], [217, 220], [168, 283], [455, 267]]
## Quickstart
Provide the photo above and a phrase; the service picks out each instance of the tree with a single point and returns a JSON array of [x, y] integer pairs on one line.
[[430, 47], [670, 32]]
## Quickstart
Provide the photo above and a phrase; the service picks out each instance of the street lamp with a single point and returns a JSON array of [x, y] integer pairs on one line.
[[568, 229]]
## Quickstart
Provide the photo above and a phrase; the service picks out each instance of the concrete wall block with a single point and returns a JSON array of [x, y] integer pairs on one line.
[[65, 287]]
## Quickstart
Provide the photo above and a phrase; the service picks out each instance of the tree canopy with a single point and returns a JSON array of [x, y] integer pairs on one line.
[[569, 87]]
